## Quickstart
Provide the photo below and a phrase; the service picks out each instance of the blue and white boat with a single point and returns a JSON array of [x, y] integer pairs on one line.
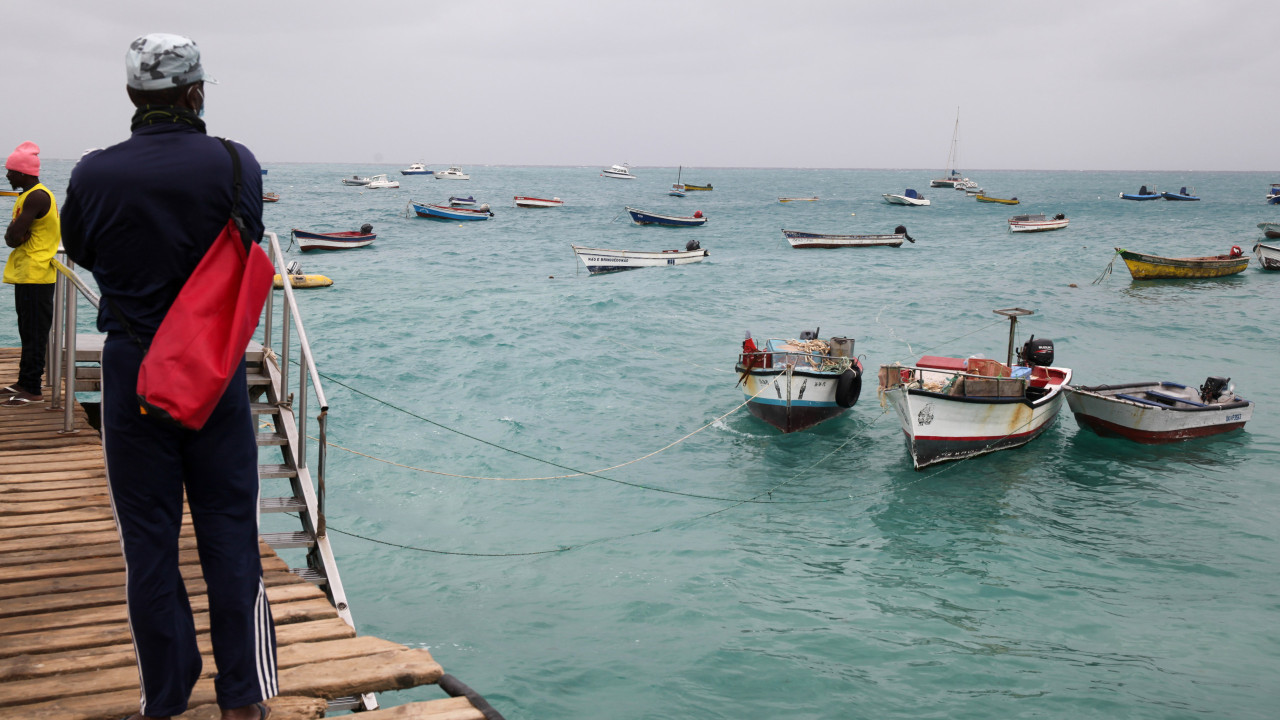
[[467, 201], [644, 217], [677, 188], [416, 169], [444, 212], [908, 197], [1273, 195], [796, 384], [1142, 194], [1180, 195]]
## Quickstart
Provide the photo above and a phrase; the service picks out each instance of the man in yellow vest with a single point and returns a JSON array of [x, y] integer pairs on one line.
[[34, 234]]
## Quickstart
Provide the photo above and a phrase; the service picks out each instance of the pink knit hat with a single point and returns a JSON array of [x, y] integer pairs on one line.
[[26, 160]]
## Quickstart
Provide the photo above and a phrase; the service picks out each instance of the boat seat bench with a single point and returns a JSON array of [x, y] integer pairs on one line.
[[1173, 398]]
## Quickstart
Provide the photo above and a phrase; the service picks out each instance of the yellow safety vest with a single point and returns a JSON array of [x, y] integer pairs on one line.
[[31, 262]]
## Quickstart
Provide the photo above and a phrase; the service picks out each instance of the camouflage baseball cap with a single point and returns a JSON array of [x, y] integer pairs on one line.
[[161, 60]]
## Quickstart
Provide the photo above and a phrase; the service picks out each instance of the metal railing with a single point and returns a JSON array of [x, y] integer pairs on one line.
[[61, 357]]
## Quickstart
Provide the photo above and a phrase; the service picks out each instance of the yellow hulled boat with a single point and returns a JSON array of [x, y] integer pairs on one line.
[[1153, 267], [304, 281], [988, 199]]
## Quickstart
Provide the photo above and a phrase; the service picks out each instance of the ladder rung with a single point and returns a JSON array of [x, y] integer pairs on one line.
[[276, 471], [311, 575], [263, 408], [281, 504], [256, 379], [349, 702], [287, 540], [272, 439]]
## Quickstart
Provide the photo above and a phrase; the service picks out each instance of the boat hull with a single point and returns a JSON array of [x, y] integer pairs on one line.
[[1002, 201], [617, 175], [1134, 196], [440, 212], [1270, 230], [303, 281], [904, 200], [793, 401], [644, 217], [940, 428], [600, 260], [1105, 411], [1268, 256], [803, 240], [308, 241], [697, 188], [533, 202], [1153, 267], [1027, 226], [1176, 196], [797, 199]]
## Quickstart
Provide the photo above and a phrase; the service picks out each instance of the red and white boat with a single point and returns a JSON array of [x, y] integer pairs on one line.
[[956, 408], [308, 241], [1160, 412], [525, 201], [1037, 223]]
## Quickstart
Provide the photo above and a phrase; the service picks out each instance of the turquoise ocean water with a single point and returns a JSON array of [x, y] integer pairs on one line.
[[743, 573]]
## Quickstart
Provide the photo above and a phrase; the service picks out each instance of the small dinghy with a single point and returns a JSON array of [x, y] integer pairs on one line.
[[803, 240], [1142, 194], [1003, 201], [1160, 412], [526, 201], [308, 241], [1154, 267], [796, 384], [908, 197], [456, 201], [1180, 195], [1268, 256], [1037, 223], [646, 217], [448, 213], [798, 199], [299, 279]]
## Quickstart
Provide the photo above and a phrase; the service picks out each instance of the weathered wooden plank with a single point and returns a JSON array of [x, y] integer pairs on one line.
[[13, 467], [58, 518], [98, 475], [102, 614], [106, 579], [17, 509], [66, 451], [9, 534], [90, 484], [22, 667], [103, 562], [117, 633], [458, 708], [292, 707]]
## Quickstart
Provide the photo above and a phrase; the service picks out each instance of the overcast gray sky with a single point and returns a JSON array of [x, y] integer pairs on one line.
[[1089, 85]]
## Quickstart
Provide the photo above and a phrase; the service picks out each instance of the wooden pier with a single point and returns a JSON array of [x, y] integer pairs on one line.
[[65, 649]]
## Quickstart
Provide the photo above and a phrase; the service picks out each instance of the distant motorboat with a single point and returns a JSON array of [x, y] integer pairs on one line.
[[455, 201], [1273, 195], [1180, 195], [805, 240], [1142, 194], [355, 180], [908, 197], [798, 199], [270, 197], [620, 172], [416, 169], [1037, 223], [381, 182], [453, 173], [698, 188]]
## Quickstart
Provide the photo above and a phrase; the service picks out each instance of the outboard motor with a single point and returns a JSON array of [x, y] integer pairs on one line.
[[293, 268], [1060, 216], [1037, 352], [693, 245], [366, 228], [1212, 388], [902, 230], [808, 334]]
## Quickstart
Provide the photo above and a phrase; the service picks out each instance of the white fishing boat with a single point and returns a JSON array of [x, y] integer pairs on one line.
[[908, 197], [1160, 412], [1268, 256], [1270, 229], [355, 180], [953, 178], [620, 172], [453, 173], [601, 260], [955, 408], [380, 181], [1037, 223], [806, 240], [796, 384]]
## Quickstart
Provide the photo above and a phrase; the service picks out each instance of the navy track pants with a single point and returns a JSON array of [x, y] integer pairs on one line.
[[34, 304], [149, 464]]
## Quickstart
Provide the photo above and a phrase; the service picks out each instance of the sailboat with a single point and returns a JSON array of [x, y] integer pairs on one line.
[[953, 178], [677, 189]]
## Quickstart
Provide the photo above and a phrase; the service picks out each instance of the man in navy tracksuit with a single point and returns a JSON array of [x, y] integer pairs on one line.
[[141, 215]]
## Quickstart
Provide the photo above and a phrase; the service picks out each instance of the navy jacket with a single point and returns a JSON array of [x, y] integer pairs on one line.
[[141, 214]]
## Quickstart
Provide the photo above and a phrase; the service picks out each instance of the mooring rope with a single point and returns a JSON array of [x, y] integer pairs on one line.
[[1107, 271]]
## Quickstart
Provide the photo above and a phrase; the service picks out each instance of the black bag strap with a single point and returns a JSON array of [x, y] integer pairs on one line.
[[236, 185]]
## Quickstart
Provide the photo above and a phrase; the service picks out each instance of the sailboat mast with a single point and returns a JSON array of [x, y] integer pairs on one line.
[[952, 158]]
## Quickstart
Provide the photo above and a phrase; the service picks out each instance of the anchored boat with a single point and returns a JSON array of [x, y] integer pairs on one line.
[[645, 217], [600, 260], [1003, 201], [1180, 195], [1154, 267], [618, 172], [1268, 256], [1037, 223], [1270, 229], [445, 212], [796, 384], [908, 197], [525, 201], [299, 279], [803, 240], [308, 241], [798, 199], [1142, 194], [416, 169], [954, 408], [1160, 412]]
